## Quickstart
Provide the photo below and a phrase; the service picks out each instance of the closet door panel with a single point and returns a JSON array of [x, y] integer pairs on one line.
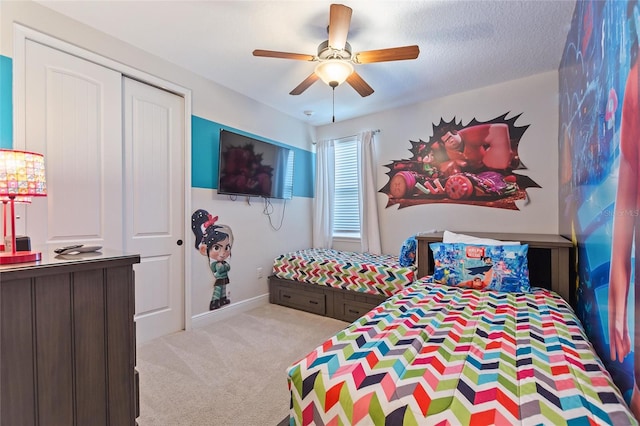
[[73, 113], [154, 205]]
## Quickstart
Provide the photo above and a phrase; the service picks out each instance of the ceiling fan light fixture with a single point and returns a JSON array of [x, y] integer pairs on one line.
[[334, 71], [335, 58]]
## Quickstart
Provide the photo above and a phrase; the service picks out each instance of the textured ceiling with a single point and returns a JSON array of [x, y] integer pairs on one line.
[[463, 45]]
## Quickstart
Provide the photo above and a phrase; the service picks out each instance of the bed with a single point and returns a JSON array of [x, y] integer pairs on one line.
[[439, 355], [339, 284], [443, 351], [379, 274]]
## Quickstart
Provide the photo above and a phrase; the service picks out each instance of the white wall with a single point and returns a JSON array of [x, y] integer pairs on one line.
[[256, 243], [535, 97]]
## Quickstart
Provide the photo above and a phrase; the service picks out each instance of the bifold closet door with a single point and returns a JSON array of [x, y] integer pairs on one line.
[[73, 115]]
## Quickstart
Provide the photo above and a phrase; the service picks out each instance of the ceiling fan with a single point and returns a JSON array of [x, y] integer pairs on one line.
[[335, 57]]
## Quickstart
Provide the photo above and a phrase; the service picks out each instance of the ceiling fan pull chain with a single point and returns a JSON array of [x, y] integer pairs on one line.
[[333, 104]]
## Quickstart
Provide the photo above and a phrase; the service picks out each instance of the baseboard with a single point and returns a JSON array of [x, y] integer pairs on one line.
[[228, 311]]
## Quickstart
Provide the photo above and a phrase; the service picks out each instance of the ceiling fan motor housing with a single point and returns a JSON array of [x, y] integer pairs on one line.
[[327, 52]]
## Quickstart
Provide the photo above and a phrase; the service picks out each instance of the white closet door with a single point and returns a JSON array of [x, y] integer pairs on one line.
[[154, 205], [73, 111], [115, 174]]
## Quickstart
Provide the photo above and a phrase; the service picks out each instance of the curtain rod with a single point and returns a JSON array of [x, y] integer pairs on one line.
[[350, 136]]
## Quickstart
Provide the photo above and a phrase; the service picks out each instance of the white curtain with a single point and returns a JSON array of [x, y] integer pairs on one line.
[[369, 227], [323, 200]]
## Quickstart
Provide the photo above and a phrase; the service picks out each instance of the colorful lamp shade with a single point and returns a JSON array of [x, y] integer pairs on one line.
[[22, 175]]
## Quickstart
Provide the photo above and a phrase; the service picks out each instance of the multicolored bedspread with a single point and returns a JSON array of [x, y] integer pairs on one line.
[[438, 355], [363, 272]]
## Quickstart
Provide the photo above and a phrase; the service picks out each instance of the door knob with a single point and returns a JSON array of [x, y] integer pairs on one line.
[[179, 242]]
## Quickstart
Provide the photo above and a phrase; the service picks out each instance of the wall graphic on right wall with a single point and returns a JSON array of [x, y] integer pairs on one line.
[[462, 164], [599, 188]]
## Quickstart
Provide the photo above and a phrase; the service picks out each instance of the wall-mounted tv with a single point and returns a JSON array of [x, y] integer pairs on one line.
[[252, 167]]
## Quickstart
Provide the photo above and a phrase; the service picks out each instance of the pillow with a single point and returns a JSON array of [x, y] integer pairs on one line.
[[480, 266], [451, 237], [408, 252]]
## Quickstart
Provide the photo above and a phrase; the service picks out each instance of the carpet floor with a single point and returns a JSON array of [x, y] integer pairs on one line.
[[229, 373]]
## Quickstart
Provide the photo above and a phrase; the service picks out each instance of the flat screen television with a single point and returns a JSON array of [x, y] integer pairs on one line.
[[252, 167]]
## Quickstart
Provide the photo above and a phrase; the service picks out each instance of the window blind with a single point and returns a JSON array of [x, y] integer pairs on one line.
[[346, 216]]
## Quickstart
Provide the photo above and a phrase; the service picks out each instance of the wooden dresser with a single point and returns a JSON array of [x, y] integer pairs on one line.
[[67, 341]]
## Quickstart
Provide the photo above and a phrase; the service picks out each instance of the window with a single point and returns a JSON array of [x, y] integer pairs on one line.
[[346, 214]]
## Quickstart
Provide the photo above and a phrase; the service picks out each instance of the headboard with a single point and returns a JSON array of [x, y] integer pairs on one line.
[[549, 258]]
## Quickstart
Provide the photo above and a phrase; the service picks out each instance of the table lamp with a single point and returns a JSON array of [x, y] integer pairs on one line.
[[21, 175]]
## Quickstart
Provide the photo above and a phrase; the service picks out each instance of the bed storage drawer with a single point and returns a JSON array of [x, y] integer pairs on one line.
[[350, 310], [349, 306], [345, 305], [302, 298]]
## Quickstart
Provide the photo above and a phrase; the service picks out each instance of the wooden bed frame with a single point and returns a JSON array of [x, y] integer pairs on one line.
[[548, 259]]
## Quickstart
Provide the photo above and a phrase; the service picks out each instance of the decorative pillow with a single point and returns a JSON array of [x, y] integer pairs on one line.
[[452, 237], [491, 267], [408, 252]]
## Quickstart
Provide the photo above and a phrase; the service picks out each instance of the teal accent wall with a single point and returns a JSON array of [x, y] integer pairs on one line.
[[6, 102], [205, 145]]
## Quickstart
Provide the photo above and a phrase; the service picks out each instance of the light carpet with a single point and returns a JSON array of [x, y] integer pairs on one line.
[[229, 373]]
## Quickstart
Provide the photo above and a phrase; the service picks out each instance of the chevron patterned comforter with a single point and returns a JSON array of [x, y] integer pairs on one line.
[[364, 272], [437, 355]]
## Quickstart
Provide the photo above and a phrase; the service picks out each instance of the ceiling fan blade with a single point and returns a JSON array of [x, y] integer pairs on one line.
[[391, 54], [283, 55], [359, 84], [339, 22], [305, 84]]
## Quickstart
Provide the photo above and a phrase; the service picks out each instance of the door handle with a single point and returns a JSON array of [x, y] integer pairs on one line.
[[179, 242]]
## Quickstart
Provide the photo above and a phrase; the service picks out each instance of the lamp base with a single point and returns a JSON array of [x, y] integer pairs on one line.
[[7, 258]]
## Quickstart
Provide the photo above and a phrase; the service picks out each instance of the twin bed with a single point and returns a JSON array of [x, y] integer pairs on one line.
[[443, 354], [378, 274], [338, 284]]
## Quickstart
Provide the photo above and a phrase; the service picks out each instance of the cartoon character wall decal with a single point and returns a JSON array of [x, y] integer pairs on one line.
[[470, 164], [214, 241]]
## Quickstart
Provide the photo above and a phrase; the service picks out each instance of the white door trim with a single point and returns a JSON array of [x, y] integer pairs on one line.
[[21, 34]]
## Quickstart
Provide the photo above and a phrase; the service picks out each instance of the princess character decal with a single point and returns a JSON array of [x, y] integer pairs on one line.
[[214, 242]]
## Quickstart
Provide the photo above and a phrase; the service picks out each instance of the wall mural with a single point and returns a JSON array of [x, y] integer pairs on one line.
[[463, 164], [599, 195], [214, 242]]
